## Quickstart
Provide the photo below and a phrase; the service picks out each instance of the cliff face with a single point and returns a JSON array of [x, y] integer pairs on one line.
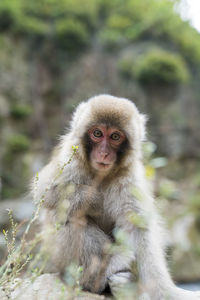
[[52, 56]]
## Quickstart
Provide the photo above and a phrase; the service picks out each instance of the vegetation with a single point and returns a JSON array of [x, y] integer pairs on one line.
[[130, 20], [21, 111], [155, 66], [18, 143], [49, 20], [161, 66], [116, 22], [19, 255], [71, 34]]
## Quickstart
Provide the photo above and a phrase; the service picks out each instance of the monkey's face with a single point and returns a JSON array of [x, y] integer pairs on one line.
[[105, 144]]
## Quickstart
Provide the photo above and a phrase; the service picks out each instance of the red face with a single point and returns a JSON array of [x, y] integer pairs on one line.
[[105, 144]]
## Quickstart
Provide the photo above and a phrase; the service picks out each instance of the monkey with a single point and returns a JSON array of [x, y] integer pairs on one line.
[[101, 176]]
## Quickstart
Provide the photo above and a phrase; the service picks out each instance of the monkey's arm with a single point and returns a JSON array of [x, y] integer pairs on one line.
[[152, 269], [153, 273]]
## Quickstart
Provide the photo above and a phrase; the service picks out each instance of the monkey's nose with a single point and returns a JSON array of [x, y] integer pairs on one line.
[[104, 154]]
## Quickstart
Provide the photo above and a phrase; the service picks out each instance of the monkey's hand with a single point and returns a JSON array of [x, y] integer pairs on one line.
[[119, 281], [122, 284], [120, 278]]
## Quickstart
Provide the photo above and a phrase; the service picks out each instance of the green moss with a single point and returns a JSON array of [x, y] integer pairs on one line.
[[71, 34], [125, 66], [6, 20], [18, 143], [111, 38], [8, 14], [189, 43], [195, 204], [38, 17], [161, 66], [132, 19], [118, 22], [21, 111], [186, 38], [33, 26], [15, 164]]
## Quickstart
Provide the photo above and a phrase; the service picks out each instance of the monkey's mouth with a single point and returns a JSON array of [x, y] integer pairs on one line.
[[103, 165]]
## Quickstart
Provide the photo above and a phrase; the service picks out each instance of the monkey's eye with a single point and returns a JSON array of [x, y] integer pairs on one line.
[[97, 133], [115, 136]]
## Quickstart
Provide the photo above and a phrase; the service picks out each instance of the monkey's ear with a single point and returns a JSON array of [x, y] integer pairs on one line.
[[143, 120]]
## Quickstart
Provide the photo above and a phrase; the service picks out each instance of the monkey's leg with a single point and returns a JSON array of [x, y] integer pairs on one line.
[[94, 258], [100, 267], [84, 243]]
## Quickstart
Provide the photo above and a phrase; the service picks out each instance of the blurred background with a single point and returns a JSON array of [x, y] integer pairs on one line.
[[54, 54]]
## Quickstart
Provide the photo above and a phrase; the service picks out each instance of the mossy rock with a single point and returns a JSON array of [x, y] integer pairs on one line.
[[21, 111], [31, 26], [161, 66], [71, 34], [156, 66], [6, 20], [125, 66], [18, 143]]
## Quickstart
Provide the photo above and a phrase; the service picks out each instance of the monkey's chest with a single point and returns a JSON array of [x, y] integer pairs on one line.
[[101, 217]]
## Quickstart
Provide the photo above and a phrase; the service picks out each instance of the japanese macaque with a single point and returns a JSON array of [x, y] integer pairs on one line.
[[97, 188]]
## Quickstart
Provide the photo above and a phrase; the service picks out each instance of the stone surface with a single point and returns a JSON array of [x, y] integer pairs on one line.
[[22, 209], [4, 107], [3, 295], [49, 287]]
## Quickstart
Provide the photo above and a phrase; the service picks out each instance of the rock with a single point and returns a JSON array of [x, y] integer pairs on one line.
[[3, 295], [22, 209], [48, 287], [195, 286], [4, 107], [45, 287]]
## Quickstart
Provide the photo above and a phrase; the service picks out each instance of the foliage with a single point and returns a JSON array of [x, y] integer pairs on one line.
[[116, 22], [18, 143], [156, 66], [71, 34], [161, 66], [49, 19], [19, 256], [186, 38], [195, 204], [9, 10], [21, 111], [125, 67], [151, 163], [130, 20]]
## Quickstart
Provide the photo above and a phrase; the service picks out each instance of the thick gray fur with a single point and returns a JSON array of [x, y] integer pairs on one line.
[[96, 204]]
